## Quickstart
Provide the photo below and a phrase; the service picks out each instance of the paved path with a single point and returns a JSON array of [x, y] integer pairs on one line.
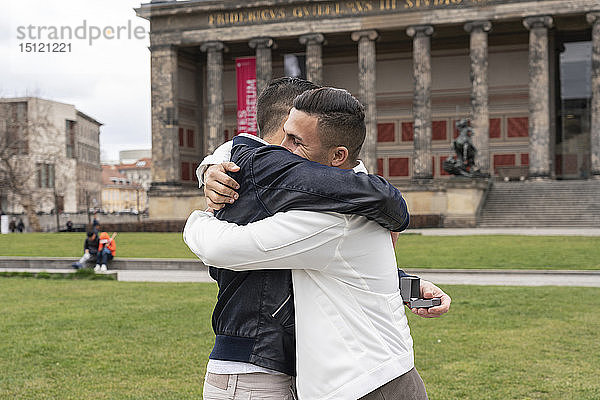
[[506, 231], [438, 276], [119, 263], [510, 277], [133, 275], [163, 276]]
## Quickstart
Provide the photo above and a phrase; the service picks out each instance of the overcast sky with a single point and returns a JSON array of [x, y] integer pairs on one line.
[[108, 79]]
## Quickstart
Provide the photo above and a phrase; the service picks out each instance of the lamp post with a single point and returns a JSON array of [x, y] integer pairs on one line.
[[137, 195], [87, 207]]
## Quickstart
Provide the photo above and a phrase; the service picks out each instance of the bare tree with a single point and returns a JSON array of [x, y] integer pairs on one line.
[[22, 161], [15, 170]]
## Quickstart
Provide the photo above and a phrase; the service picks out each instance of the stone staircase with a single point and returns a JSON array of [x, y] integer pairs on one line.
[[542, 204]]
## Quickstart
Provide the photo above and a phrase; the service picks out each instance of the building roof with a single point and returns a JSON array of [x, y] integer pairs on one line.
[[29, 98], [113, 178], [142, 163], [85, 116]]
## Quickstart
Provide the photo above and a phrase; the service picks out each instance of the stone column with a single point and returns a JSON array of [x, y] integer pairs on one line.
[[594, 19], [214, 85], [539, 96], [263, 61], [367, 95], [422, 166], [480, 119], [165, 139], [314, 62]]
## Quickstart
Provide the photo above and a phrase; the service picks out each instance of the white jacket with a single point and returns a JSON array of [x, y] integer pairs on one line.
[[352, 334]]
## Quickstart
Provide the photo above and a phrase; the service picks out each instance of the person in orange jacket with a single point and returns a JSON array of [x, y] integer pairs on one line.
[[107, 249]]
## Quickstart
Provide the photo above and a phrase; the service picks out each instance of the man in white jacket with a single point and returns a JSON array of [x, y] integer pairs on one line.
[[353, 339]]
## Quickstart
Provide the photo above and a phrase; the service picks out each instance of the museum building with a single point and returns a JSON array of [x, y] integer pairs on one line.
[[526, 74]]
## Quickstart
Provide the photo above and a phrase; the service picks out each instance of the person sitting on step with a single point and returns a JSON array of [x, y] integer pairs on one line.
[[107, 249], [90, 250]]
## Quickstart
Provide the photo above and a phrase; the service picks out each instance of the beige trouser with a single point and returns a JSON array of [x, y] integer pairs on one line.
[[256, 386], [405, 387]]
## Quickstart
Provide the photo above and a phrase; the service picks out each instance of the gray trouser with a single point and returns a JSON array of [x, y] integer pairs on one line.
[[256, 386], [409, 386], [86, 256]]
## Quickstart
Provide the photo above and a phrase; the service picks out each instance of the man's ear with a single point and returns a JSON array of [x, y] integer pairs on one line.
[[339, 156]]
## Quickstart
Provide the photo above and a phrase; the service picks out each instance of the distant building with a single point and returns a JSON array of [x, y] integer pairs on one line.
[[131, 156], [119, 193], [87, 154], [522, 71], [525, 72], [56, 149], [138, 172]]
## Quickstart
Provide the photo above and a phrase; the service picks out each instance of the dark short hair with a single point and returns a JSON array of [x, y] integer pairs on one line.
[[90, 234], [341, 118], [275, 101]]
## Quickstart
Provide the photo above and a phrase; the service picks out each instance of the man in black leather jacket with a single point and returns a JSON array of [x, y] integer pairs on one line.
[[254, 317]]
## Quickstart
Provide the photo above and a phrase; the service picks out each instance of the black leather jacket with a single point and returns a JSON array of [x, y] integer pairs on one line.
[[254, 316]]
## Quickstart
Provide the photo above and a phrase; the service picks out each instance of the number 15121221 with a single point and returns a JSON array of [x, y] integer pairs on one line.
[[45, 47]]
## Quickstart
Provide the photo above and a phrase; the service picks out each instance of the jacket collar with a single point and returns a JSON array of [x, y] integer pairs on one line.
[[360, 168], [249, 140]]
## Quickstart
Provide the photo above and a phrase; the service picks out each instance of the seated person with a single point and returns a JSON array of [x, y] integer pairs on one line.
[[90, 250], [107, 249]]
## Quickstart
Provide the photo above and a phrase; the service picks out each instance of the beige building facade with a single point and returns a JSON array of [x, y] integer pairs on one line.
[[87, 155], [119, 193], [139, 172], [59, 151], [526, 73]]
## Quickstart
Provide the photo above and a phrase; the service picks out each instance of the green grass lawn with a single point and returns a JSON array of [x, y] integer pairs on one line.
[[118, 340], [129, 244], [84, 340], [499, 251], [413, 251]]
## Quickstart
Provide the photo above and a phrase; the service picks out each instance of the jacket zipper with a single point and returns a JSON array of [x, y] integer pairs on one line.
[[281, 306]]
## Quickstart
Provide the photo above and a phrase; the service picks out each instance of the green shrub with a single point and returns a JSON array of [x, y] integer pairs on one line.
[[104, 277], [81, 274]]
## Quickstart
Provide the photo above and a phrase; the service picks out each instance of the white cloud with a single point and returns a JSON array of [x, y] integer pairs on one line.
[[109, 79]]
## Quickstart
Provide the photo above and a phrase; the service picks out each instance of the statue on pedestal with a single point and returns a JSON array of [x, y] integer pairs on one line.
[[463, 162]]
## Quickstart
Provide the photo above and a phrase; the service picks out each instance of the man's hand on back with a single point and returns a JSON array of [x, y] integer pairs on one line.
[[219, 187], [429, 291]]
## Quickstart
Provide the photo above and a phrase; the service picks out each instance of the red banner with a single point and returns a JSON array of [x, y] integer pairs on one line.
[[246, 95]]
